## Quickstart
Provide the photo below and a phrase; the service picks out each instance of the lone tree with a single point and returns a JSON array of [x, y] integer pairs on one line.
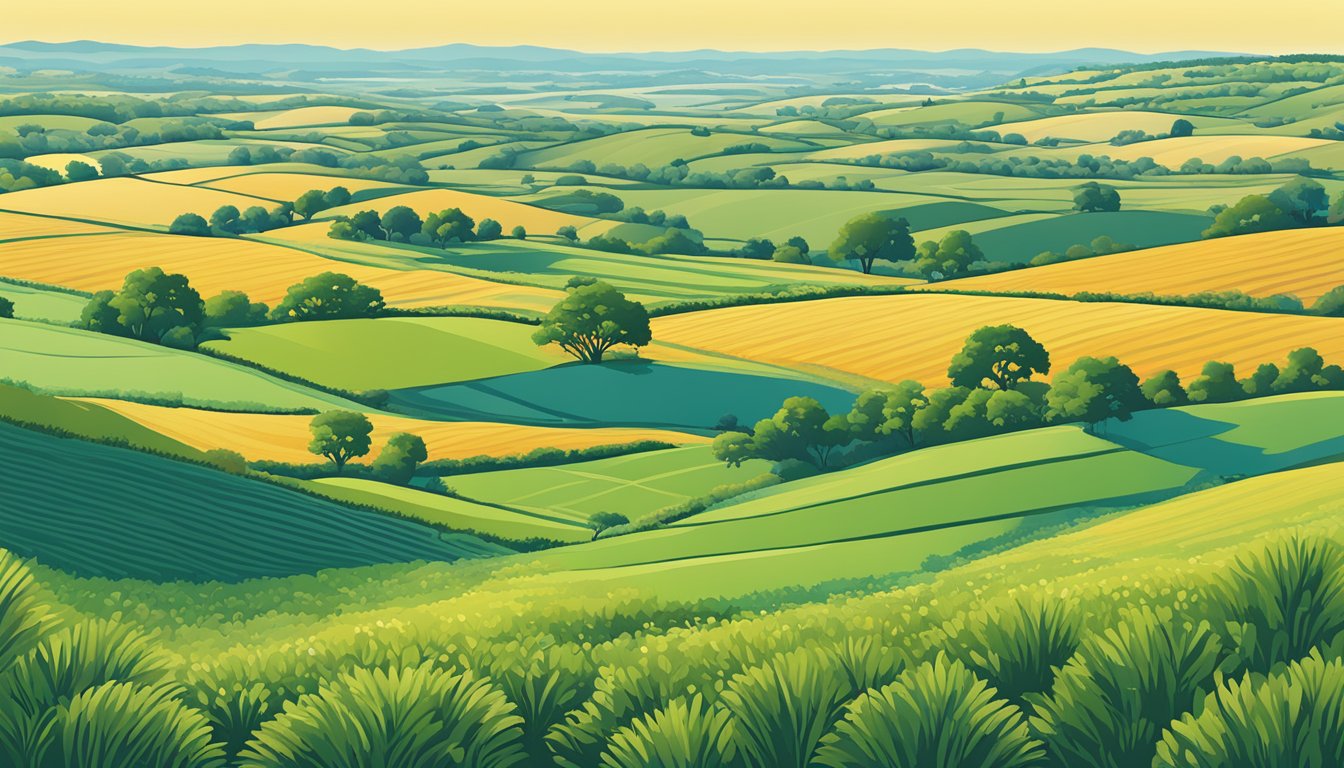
[[601, 521], [340, 436], [1182, 127], [873, 236], [328, 296], [1003, 355], [397, 461], [1094, 197], [592, 319], [6, 308], [191, 224], [1093, 390]]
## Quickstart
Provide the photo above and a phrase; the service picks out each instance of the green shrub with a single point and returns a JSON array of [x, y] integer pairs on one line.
[[416, 717], [1290, 719], [1016, 645], [1281, 601], [543, 683], [77, 658], [1110, 702], [683, 734], [867, 663], [620, 695], [23, 618], [782, 708], [937, 715], [117, 725]]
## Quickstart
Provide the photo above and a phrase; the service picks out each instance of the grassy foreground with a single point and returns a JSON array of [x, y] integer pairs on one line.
[[1144, 638]]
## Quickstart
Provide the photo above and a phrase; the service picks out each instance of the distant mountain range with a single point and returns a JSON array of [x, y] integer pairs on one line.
[[961, 68]]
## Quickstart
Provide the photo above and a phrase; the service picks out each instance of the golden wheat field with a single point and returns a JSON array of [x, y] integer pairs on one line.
[[124, 200], [261, 270], [18, 226], [507, 212], [285, 438], [283, 187], [293, 118], [1210, 149], [1100, 126], [1304, 263], [890, 338]]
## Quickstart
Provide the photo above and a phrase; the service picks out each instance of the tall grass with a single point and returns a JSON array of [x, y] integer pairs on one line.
[[782, 708], [1290, 719], [1017, 644], [23, 617], [1110, 702], [1280, 601], [937, 715], [415, 717], [687, 733], [118, 725]]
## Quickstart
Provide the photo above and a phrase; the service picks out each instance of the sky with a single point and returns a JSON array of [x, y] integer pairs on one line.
[[1146, 26]]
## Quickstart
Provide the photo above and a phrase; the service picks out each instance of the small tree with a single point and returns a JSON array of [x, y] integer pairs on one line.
[[788, 254], [309, 203], [1164, 390], [77, 170], [6, 308], [870, 237], [190, 224], [1094, 197], [1094, 390], [336, 197], [601, 521], [1305, 200], [150, 304], [340, 436], [949, 257], [397, 461], [568, 233], [489, 229], [233, 308], [519, 232], [400, 222], [328, 296], [448, 226], [1217, 383], [1182, 127], [592, 319], [1002, 355]]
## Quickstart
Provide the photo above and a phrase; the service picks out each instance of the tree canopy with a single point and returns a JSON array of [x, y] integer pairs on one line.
[[340, 436], [592, 319], [1003, 355], [328, 296], [1094, 197], [870, 237]]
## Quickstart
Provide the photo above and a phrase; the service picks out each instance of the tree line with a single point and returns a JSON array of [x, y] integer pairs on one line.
[[163, 308], [991, 391]]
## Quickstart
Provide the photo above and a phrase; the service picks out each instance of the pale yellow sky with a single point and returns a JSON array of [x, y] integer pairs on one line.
[[630, 25]]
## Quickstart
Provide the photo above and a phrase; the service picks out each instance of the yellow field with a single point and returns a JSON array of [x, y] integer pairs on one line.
[[288, 186], [261, 270], [285, 438], [17, 226], [58, 161], [507, 212], [890, 338], [1098, 126], [1210, 149], [294, 118], [1305, 263], [123, 200]]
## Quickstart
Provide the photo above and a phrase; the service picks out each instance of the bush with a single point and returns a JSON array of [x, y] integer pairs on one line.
[[683, 734], [417, 717], [937, 715], [117, 725], [782, 708], [1287, 720], [1281, 601], [1017, 645], [1110, 702]]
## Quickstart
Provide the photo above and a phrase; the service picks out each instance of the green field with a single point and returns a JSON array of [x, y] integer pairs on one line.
[[371, 354], [70, 361], [180, 521], [37, 304], [633, 485]]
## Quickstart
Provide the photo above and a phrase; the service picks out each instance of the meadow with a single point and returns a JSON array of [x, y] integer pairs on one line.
[[509, 408]]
